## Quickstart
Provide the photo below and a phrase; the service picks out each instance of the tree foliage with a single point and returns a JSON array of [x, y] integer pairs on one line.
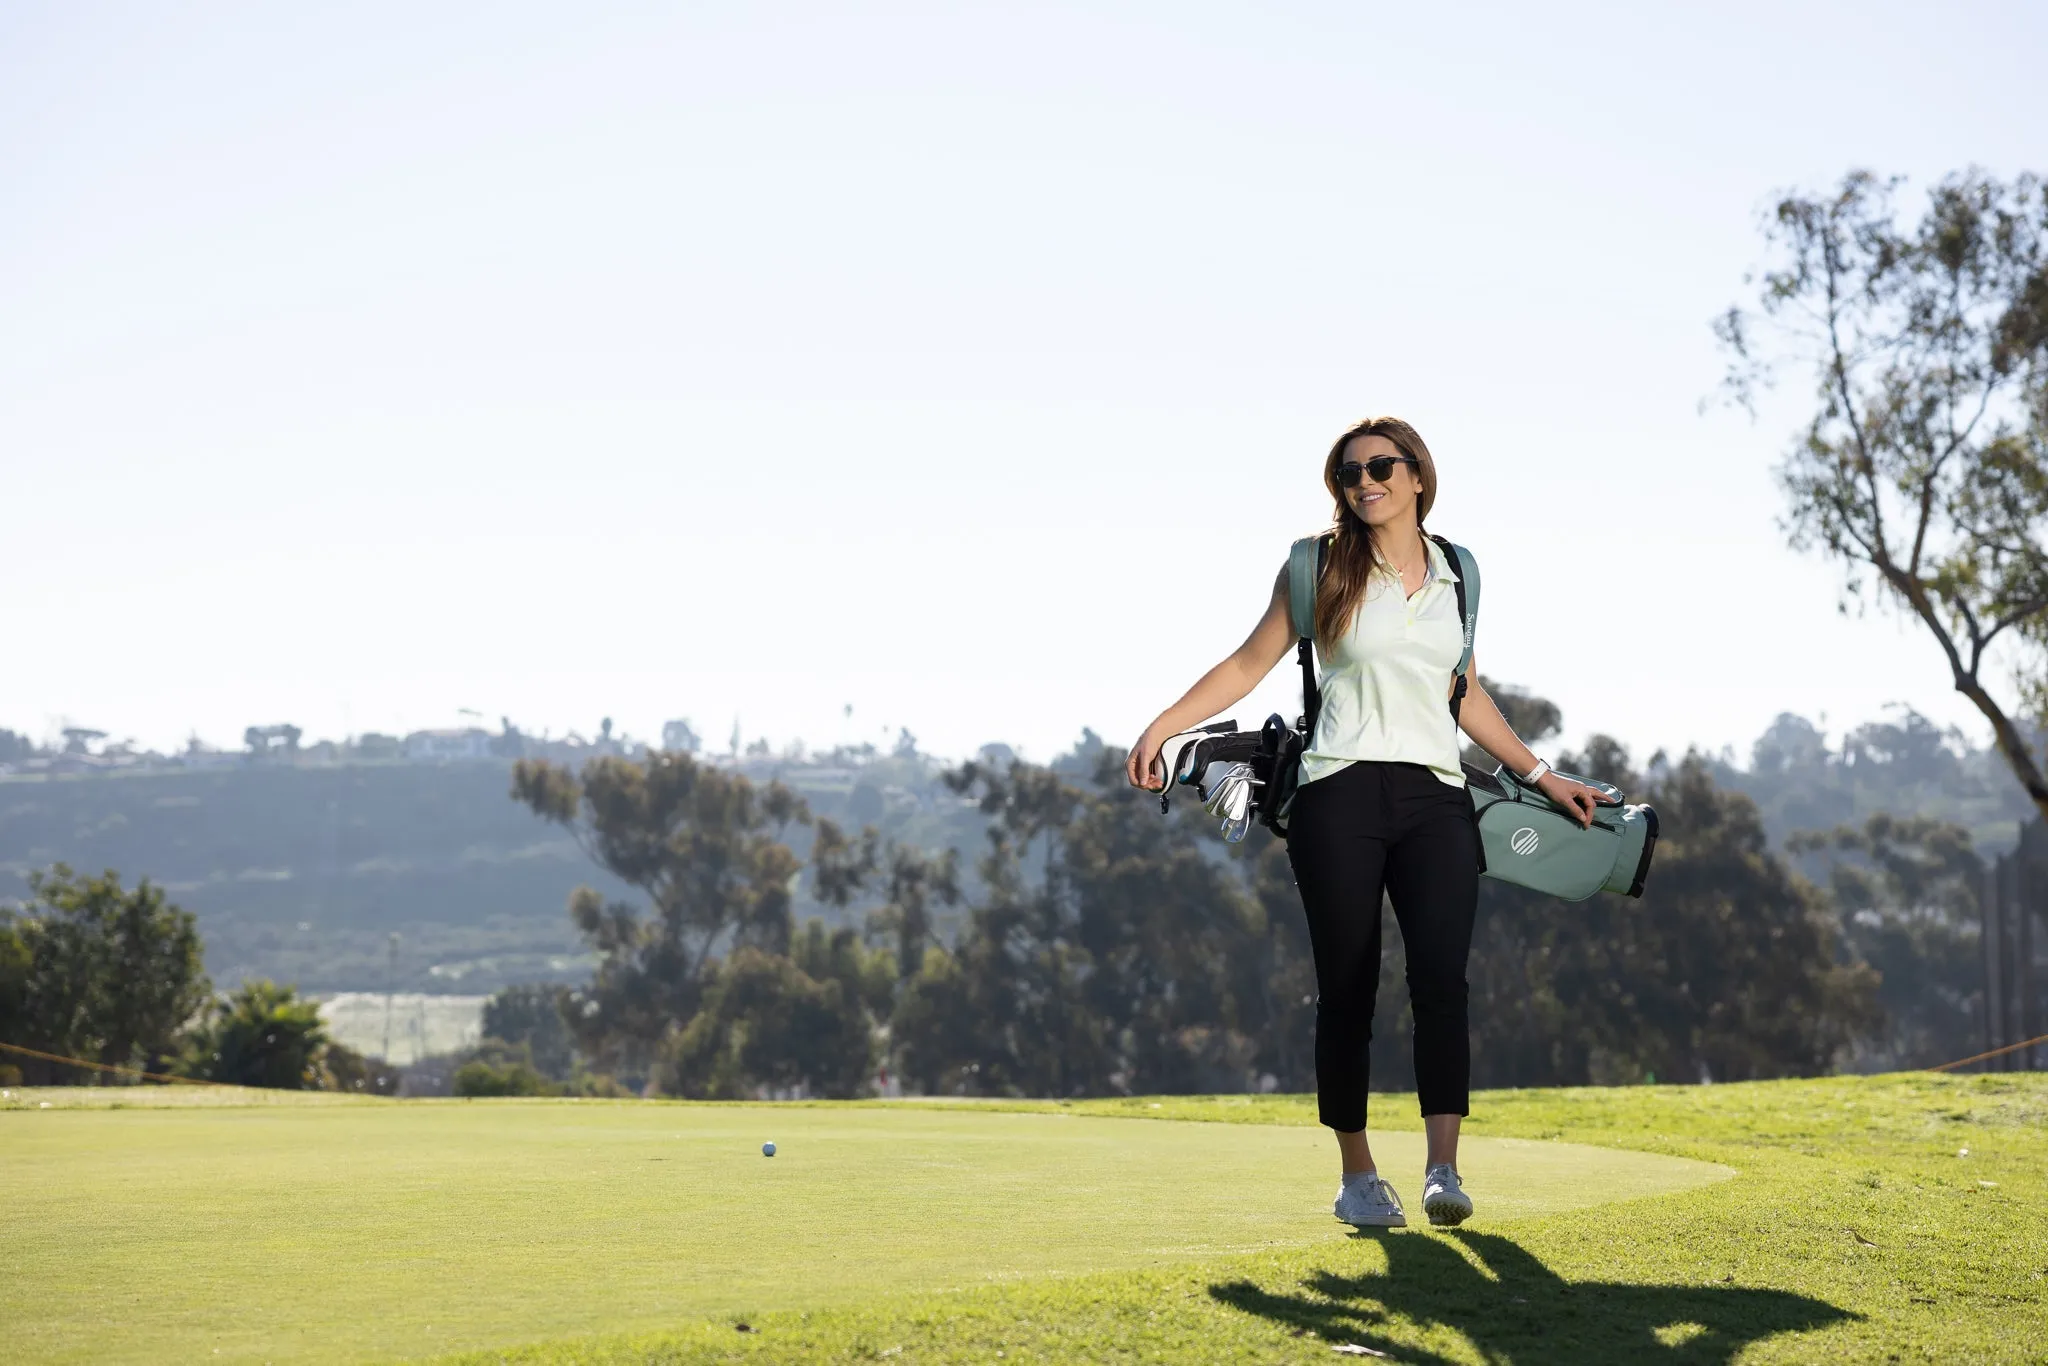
[[341, 1068], [262, 1035], [1116, 951], [1924, 467], [1903, 764], [915, 884], [530, 1015], [89, 969], [1906, 888], [499, 1068], [769, 1024], [15, 965], [15, 748], [1105, 948], [711, 991], [704, 846]]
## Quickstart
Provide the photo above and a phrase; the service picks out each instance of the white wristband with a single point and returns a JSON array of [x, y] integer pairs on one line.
[[1535, 775]]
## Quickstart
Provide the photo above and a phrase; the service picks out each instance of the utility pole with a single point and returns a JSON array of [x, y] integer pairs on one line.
[[2030, 888], [1994, 966], [390, 986]]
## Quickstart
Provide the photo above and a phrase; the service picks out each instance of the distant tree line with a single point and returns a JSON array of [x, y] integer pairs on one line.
[[1904, 764], [1109, 949], [15, 747], [93, 971], [437, 853], [1098, 947]]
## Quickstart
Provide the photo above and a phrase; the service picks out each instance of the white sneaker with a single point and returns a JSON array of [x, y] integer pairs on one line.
[[1443, 1199], [1369, 1203]]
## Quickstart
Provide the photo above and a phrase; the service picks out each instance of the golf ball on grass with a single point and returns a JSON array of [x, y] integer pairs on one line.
[[768, 1149]]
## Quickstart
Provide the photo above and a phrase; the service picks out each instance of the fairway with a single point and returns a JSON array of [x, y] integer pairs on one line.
[[367, 1230]]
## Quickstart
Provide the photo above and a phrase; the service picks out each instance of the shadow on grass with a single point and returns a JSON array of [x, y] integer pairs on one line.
[[1530, 1314]]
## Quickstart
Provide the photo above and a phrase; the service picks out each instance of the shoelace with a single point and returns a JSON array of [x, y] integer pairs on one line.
[[1373, 1188]]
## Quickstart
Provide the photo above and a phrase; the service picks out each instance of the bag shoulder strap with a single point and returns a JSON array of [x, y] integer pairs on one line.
[[1467, 570], [1304, 572], [1468, 594], [1304, 569]]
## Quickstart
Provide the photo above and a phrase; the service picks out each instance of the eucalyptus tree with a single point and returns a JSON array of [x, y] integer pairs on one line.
[[704, 846], [1906, 891], [1923, 468]]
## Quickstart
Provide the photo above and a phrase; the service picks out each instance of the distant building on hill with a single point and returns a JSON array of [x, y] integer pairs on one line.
[[444, 746], [267, 742]]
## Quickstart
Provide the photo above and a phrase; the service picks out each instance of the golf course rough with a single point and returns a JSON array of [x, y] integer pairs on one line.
[[1873, 1219]]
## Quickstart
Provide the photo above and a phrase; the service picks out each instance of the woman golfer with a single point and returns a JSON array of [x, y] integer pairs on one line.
[[1382, 803]]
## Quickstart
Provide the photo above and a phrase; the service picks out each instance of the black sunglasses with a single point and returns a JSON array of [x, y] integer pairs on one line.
[[1350, 473]]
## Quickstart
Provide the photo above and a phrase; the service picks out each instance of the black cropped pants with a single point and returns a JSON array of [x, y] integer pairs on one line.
[[1399, 828]]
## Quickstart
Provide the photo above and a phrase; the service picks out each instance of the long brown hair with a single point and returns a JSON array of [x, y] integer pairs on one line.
[[1354, 549]]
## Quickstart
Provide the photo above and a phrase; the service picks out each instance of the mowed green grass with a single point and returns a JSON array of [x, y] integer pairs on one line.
[[1873, 1219], [1870, 1219], [275, 1232]]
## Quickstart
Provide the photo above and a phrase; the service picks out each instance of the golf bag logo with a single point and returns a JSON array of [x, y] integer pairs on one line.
[[1523, 841]]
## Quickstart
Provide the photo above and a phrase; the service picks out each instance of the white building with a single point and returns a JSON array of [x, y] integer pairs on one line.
[[440, 746]]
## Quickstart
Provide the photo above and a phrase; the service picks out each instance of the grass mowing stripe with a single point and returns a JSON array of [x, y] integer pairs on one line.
[[384, 1229], [1887, 1219]]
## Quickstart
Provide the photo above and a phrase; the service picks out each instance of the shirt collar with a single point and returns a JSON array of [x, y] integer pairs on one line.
[[1439, 561]]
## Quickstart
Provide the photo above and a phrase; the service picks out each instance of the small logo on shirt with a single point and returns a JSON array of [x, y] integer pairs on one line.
[[1523, 841]]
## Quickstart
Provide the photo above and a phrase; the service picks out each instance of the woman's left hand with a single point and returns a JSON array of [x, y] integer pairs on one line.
[[1577, 798]]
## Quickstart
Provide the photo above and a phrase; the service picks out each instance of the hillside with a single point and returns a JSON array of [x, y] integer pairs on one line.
[[301, 873]]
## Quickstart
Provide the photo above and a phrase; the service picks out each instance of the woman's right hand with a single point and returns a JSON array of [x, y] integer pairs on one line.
[[1142, 768]]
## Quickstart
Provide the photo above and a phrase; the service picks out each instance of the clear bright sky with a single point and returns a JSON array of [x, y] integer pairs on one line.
[[968, 365]]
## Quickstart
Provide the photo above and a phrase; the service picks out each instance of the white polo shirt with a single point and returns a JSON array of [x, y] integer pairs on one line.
[[1386, 683]]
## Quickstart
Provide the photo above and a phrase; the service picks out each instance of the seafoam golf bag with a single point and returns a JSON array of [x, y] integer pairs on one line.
[[1529, 840]]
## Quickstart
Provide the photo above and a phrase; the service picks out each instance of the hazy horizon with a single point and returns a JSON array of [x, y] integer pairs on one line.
[[720, 744]]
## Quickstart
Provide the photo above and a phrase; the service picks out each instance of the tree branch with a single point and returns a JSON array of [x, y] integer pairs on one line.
[[2012, 743], [1838, 367], [1850, 529], [2015, 617], [1955, 442], [1978, 640]]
